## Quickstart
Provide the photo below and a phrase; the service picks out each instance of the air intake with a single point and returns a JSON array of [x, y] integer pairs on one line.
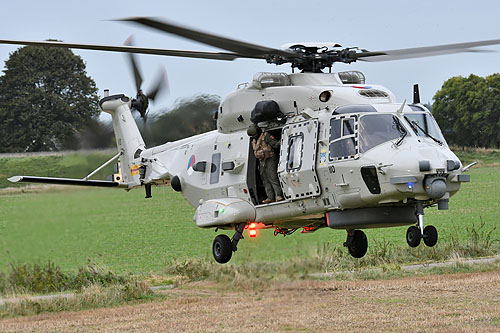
[[373, 93]]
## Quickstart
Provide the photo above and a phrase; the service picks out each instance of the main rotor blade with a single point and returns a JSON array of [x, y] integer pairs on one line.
[[242, 48], [134, 49], [418, 52]]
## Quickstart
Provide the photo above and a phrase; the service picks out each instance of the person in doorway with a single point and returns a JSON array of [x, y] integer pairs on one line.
[[265, 147]]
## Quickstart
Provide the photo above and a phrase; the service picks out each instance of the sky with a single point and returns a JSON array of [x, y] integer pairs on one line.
[[372, 25]]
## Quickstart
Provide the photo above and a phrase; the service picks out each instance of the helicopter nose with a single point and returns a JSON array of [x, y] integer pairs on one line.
[[425, 172]]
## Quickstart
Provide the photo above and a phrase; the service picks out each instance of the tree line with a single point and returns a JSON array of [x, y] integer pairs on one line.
[[468, 110], [48, 102]]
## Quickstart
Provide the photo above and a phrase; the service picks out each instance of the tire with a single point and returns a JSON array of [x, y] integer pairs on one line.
[[430, 236], [413, 236], [359, 244], [222, 249]]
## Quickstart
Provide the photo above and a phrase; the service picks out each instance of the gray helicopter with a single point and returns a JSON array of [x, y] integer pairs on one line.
[[348, 155]]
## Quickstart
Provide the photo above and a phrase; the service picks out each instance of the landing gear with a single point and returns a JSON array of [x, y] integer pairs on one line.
[[414, 234], [356, 243], [430, 236], [223, 247]]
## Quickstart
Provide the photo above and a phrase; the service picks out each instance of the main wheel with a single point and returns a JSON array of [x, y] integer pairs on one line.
[[222, 249], [359, 244], [430, 236], [413, 236]]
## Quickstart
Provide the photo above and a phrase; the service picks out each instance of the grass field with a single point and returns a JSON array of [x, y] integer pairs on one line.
[[70, 165], [127, 233]]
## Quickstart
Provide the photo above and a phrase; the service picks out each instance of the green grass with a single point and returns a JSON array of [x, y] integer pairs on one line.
[[91, 297], [127, 233], [482, 155], [49, 278], [121, 230], [124, 232], [71, 166]]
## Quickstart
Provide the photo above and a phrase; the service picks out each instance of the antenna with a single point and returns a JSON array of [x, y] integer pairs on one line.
[[416, 94], [400, 110]]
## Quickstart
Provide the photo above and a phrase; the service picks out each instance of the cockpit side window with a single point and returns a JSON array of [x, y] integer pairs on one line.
[[335, 129], [376, 129], [343, 140], [348, 126]]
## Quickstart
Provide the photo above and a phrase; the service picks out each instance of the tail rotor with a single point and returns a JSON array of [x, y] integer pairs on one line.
[[141, 101]]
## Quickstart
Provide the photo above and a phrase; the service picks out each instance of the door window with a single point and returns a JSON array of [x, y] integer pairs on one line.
[[214, 171], [295, 150]]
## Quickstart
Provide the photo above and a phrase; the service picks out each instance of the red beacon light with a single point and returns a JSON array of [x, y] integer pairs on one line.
[[251, 230]]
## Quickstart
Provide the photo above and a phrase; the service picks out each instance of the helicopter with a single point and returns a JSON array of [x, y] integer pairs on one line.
[[350, 157]]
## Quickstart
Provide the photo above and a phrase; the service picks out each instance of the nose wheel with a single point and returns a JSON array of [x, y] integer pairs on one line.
[[415, 233], [430, 236], [413, 236]]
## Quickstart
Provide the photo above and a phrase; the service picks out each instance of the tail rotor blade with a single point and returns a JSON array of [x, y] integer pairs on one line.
[[161, 85], [133, 62], [141, 102]]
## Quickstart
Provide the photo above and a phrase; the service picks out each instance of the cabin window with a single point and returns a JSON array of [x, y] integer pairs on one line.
[[295, 151], [343, 141], [215, 170]]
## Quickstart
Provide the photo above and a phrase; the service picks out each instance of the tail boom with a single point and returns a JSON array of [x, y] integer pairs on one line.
[[128, 138]]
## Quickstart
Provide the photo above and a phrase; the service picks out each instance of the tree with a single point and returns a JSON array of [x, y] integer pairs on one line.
[[188, 117], [46, 97], [468, 110]]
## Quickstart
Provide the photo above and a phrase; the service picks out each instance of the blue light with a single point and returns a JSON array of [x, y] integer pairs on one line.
[[410, 186]]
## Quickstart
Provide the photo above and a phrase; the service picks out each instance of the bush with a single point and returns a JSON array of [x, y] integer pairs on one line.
[[92, 296], [49, 278]]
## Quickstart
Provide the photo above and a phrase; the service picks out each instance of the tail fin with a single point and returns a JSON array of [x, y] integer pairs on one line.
[[128, 138]]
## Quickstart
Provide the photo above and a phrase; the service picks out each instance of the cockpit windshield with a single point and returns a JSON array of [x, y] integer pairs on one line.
[[375, 129], [356, 134], [423, 125]]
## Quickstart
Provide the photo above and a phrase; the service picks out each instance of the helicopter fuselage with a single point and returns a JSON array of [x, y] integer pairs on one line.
[[352, 159], [349, 158]]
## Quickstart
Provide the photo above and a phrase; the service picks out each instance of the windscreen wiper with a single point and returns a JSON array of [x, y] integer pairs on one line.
[[402, 131], [413, 123], [412, 126]]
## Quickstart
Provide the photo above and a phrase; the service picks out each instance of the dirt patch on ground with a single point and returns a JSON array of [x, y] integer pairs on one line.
[[35, 188], [459, 302]]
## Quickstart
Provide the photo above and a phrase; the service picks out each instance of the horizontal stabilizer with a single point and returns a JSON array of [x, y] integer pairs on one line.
[[63, 181]]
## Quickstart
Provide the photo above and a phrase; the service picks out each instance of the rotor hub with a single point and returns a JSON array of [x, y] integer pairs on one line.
[[313, 58]]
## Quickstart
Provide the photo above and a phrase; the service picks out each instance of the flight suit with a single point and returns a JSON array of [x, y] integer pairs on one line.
[[264, 149]]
